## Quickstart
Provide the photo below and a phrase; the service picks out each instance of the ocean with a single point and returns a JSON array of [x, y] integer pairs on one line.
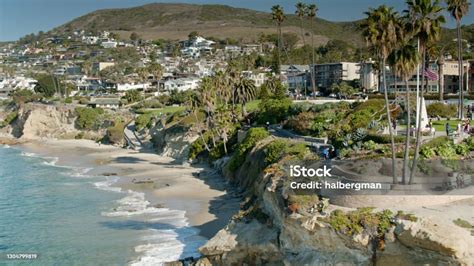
[[68, 217]]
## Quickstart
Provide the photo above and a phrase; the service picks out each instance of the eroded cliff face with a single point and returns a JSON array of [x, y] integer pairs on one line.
[[173, 141], [266, 232], [37, 121]]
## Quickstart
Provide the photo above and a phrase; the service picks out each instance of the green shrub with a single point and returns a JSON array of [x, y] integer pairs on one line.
[[273, 110], [20, 96], [275, 150], [83, 100], [470, 143], [441, 110], [446, 151], [115, 133], [437, 142], [88, 118], [461, 149], [196, 148], [355, 222], [383, 139], [254, 135], [68, 100], [9, 119], [143, 120], [298, 149], [301, 123], [369, 145], [79, 135], [217, 151], [427, 152]]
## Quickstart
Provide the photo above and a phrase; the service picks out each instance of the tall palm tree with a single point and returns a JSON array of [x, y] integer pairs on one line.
[[459, 8], [382, 31], [311, 13], [405, 62], [424, 22], [245, 91], [195, 105], [301, 13], [278, 15]]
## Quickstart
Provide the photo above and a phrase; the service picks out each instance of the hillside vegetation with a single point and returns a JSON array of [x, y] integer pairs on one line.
[[175, 21]]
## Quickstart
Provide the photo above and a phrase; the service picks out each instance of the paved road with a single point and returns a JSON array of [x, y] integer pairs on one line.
[[323, 101], [279, 132]]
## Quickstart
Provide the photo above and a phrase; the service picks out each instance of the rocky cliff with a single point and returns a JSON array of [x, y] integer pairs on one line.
[[37, 121], [267, 231], [172, 141]]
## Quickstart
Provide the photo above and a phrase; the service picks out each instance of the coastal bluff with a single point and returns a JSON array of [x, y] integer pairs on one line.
[[265, 231]]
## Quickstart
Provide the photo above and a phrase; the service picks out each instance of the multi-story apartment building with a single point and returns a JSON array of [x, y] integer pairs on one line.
[[335, 73], [450, 79]]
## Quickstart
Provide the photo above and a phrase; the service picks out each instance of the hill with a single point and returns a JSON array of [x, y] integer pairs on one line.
[[175, 21]]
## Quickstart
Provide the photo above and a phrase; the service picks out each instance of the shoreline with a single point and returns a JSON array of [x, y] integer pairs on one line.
[[197, 190]]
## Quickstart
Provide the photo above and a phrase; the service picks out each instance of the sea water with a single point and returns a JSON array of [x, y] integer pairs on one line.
[[70, 218]]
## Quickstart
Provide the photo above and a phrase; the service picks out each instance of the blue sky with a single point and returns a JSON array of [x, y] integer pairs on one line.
[[20, 17]]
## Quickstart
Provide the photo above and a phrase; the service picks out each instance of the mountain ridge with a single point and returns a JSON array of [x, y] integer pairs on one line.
[[176, 20]]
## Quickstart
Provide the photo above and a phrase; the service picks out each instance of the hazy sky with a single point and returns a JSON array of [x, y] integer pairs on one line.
[[20, 17]]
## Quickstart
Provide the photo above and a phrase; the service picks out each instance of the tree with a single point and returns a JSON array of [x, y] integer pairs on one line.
[[156, 70], [459, 8], [134, 36], [46, 85], [381, 30], [245, 91], [133, 96], [424, 22], [405, 61], [193, 34], [301, 13], [343, 89], [311, 13], [278, 16], [114, 36]]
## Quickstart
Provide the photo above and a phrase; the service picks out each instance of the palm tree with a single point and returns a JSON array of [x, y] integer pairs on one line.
[[405, 61], [311, 13], [382, 30], [195, 105], [301, 13], [424, 22], [245, 91], [459, 8], [278, 16]]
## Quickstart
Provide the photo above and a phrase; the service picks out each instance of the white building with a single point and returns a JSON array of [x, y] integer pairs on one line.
[[258, 77], [8, 85], [335, 73], [131, 86], [197, 46], [90, 39], [180, 84], [369, 80], [109, 44]]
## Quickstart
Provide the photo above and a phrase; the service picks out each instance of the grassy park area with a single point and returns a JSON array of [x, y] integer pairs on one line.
[[440, 125]]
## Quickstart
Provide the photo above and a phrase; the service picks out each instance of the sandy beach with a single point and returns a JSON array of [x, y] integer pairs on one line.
[[197, 190]]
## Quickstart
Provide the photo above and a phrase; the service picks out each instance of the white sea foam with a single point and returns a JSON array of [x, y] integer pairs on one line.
[[6, 146], [107, 184], [81, 172], [51, 161], [28, 154], [170, 237], [168, 245]]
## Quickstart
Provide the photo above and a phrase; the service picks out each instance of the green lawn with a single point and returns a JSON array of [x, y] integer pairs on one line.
[[440, 125], [164, 110]]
